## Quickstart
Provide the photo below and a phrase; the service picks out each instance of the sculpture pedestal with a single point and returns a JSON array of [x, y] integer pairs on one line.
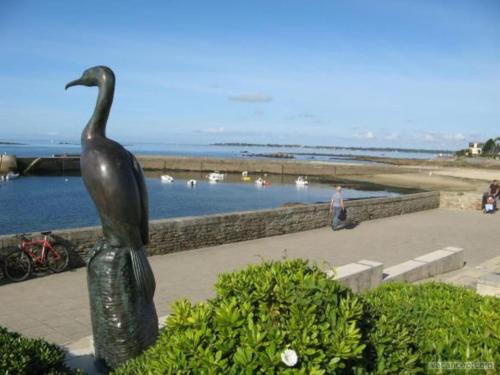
[[124, 321]]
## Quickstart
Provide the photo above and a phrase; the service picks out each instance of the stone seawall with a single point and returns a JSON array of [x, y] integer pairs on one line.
[[48, 165], [61, 165], [460, 200], [179, 234], [291, 167]]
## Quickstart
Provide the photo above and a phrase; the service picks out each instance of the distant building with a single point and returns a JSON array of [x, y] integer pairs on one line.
[[496, 149], [476, 148]]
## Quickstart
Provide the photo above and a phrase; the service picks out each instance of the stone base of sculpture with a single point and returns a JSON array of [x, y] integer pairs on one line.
[[121, 288]]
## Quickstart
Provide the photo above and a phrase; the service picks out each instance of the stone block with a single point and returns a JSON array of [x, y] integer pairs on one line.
[[408, 271], [359, 276], [443, 261], [425, 266], [375, 274]]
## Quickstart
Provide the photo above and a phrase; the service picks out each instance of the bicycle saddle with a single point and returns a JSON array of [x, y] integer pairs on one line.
[[46, 233]]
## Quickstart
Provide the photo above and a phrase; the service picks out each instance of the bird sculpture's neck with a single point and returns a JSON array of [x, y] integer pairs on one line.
[[96, 126]]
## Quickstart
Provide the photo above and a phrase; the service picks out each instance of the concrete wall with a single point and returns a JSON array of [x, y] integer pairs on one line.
[[460, 200], [368, 274], [179, 234], [262, 165], [429, 265], [49, 165], [359, 276], [177, 163]]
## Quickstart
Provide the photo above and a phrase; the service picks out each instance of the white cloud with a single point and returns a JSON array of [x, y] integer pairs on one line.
[[392, 136], [443, 139], [305, 115], [213, 130], [365, 135], [251, 98], [429, 137], [454, 137]]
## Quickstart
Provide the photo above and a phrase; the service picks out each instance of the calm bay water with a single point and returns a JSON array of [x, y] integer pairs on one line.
[[332, 155], [37, 203]]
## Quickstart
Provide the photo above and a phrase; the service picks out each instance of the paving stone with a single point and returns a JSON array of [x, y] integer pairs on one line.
[[191, 274]]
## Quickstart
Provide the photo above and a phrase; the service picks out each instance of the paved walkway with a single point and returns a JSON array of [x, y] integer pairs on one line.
[[56, 307]]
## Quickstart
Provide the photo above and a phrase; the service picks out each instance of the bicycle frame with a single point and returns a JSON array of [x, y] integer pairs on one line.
[[27, 244]]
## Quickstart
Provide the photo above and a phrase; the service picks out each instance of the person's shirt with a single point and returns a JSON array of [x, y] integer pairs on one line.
[[494, 189], [337, 199]]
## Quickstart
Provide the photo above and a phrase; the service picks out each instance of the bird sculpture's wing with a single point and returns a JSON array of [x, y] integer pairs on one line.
[[143, 193], [115, 182]]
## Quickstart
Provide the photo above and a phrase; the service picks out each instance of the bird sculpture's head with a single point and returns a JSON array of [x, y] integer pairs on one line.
[[95, 76]]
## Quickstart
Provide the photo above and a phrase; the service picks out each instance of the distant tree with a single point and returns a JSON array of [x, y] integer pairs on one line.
[[489, 146]]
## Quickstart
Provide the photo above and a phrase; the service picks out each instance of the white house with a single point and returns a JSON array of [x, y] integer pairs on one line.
[[475, 148]]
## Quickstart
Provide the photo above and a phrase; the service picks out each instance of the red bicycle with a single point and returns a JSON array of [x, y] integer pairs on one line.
[[19, 261]]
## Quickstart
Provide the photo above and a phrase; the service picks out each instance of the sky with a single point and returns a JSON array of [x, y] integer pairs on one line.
[[395, 73]]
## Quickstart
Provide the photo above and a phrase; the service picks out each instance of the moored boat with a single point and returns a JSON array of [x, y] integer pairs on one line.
[[9, 176], [262, 182], [216, 176], [301, 181], [166, 178]]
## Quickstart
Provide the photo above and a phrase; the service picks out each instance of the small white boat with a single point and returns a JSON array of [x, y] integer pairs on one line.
[[262, 182], [245, 177], [301, 181], [191, 183], [9, 176], [166, 178], [216, 176]]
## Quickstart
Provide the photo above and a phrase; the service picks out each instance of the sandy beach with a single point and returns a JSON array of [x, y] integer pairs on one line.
[[459, 179]]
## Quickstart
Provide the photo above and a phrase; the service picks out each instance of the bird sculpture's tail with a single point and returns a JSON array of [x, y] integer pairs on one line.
[[144, 278]]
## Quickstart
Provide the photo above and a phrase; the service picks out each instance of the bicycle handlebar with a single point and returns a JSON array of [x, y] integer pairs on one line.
[[24, 236]]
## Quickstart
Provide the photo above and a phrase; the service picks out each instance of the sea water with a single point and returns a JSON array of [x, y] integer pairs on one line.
[[37, 203], [337, 155]]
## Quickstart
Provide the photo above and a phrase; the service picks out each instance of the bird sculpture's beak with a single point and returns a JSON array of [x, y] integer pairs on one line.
[[76, 82]]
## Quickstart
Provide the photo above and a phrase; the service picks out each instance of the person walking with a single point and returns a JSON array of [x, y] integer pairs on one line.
[[336, 206]]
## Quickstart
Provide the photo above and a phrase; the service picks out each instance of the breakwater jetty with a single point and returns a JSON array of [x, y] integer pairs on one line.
[[71, 164]]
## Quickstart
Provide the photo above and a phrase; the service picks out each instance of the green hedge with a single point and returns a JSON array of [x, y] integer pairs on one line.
[[447, 323], [22, 356], [260, 312]]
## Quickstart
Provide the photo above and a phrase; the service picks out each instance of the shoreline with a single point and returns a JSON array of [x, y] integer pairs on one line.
[[462, 175]]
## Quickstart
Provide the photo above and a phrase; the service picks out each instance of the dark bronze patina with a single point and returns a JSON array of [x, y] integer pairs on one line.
[[120, 280]]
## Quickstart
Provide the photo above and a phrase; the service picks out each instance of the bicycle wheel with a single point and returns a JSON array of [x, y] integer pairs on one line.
[[58, 260], [17, 265]]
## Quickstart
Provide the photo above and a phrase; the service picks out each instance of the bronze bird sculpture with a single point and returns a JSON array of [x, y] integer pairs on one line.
[[120, 280]]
